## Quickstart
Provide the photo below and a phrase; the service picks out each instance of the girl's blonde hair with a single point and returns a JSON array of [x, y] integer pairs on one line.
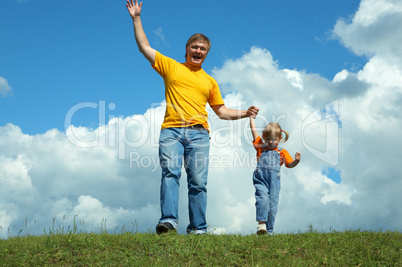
[[274, 129]]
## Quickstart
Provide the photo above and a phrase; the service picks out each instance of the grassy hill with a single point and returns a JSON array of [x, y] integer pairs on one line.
[[350, 248]]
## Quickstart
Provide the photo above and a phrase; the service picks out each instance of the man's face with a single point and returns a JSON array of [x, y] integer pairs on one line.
[[196, 53]]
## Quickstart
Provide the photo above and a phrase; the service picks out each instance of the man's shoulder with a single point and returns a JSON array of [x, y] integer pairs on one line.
[[163, 64], [162, 57], [210, 77]]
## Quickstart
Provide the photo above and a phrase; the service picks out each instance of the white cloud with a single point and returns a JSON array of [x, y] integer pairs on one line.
[[160, 37], [295, 78], [117, 179], [47, 176], [5, 88], [374, 30]]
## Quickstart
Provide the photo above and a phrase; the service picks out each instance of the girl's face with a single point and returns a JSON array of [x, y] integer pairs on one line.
[[272, 141]]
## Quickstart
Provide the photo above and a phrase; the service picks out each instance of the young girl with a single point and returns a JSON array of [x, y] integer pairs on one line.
[[266, 177]]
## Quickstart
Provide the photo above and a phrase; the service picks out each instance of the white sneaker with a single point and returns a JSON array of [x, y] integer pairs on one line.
[[261, 229]]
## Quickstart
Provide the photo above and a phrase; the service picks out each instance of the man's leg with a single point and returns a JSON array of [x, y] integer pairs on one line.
[[196, 164], [170, 157]]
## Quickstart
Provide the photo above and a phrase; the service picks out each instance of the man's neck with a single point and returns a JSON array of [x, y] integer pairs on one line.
[[192, 66]]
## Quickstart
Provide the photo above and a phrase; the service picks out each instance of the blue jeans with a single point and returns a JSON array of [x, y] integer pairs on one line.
[[191, 147], [267, 183]]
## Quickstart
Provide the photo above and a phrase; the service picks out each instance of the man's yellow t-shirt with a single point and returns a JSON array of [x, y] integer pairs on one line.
[[187, 91]]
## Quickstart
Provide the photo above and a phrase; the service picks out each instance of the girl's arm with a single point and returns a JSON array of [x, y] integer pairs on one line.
[[253, 128], [295, 161]]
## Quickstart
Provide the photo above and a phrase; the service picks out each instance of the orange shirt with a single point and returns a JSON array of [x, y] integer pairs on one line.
[[187, 91], [260, 146]]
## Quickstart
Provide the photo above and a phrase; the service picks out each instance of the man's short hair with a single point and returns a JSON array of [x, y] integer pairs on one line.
[[199, 37]]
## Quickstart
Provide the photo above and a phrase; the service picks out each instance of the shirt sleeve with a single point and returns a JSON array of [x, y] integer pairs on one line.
[[257, 143], [162, 64], [215, 96]]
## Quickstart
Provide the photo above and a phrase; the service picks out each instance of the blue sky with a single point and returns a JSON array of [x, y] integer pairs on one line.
[[81, 109], [55, 54]]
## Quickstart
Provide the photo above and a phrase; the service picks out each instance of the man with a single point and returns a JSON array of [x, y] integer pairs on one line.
[[185, 131]]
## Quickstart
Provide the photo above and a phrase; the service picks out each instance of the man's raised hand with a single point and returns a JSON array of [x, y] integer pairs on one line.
[[134, 8]]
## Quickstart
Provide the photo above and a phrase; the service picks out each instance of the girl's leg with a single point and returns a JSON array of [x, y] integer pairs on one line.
[[275, 187], [261, 195]]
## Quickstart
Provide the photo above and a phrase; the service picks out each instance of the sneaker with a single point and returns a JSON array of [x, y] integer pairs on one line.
[[162, 228], [196, 232], [261, 229]]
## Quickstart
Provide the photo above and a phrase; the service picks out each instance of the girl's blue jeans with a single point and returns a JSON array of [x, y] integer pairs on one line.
[[267, 183]]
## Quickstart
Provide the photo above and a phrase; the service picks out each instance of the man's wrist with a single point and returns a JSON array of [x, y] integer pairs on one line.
[[245, 114]]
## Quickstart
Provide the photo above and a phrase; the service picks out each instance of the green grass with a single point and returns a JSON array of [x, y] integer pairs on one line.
[[349, 248]]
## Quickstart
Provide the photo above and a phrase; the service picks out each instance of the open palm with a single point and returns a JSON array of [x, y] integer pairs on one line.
[[134, 8]]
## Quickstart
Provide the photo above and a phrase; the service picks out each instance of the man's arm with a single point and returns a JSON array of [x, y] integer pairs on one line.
[[143, 45], [225, 113]]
